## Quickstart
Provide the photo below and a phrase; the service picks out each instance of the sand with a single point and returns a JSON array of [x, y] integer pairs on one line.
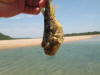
[[6, 44]]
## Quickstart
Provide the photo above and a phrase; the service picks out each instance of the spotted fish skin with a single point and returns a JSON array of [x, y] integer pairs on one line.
[[53, 32]]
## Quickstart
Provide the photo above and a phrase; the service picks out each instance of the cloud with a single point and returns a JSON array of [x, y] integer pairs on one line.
[[23, 32], [21, 16]]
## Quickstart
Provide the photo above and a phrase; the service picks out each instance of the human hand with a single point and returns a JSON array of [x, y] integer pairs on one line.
[[10, 8]]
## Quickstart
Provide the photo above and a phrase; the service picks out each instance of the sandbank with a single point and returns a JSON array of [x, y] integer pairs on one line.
[[6, 44]]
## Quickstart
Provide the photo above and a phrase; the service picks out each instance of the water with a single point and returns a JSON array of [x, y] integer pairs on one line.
[[75, 58]]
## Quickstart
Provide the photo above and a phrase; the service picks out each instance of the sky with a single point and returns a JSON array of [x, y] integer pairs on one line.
[[75, 16]]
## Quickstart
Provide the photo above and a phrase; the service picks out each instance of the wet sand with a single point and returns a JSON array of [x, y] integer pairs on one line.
[[6, 44]]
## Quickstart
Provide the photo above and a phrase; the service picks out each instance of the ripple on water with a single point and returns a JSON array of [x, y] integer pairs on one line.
[[75, 58]]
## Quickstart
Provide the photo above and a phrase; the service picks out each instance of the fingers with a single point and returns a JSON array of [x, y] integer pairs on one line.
[[33, 6], [29, 2], [31, 10], [42, 3], [32, 3]]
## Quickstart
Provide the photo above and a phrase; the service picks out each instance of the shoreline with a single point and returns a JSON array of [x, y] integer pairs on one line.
[[7, 44]]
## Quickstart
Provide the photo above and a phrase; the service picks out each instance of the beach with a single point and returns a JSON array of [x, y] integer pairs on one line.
[[18, 43]]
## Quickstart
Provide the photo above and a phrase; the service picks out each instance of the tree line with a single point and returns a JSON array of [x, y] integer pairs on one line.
[[84, 33], [4, 37]]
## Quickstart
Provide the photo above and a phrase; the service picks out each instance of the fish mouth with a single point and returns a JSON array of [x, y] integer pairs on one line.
[[50, 53], [51, 48]]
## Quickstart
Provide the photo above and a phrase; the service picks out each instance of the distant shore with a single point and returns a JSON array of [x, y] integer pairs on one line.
[[6, 44]]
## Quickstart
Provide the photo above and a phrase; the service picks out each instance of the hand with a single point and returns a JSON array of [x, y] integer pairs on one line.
[[10, 8]]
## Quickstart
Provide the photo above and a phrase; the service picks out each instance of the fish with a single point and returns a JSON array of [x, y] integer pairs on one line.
[[53, 33]]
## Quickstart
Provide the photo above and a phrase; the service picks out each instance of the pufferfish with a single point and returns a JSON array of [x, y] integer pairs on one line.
[[53, 33]]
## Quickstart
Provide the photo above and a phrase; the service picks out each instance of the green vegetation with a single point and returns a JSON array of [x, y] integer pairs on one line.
[[85, 33], [4, 37]]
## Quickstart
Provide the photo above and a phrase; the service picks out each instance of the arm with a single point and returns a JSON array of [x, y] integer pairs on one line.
[[10, 8]]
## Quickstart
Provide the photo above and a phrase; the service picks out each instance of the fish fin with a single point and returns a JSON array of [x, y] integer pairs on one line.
[[51, 7], [55, 8]]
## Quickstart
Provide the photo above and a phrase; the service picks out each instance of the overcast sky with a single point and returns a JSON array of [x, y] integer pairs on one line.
[[74, 15]]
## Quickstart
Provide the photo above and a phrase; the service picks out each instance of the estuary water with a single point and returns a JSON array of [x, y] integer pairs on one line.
[[74, 58]]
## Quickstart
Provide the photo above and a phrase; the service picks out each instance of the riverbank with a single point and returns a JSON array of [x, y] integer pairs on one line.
[[5, 44]]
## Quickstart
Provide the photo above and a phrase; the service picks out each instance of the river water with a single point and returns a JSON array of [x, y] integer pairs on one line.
[[74, 58]]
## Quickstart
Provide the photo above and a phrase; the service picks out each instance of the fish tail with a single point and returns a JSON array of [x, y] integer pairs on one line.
[[49, 8]]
